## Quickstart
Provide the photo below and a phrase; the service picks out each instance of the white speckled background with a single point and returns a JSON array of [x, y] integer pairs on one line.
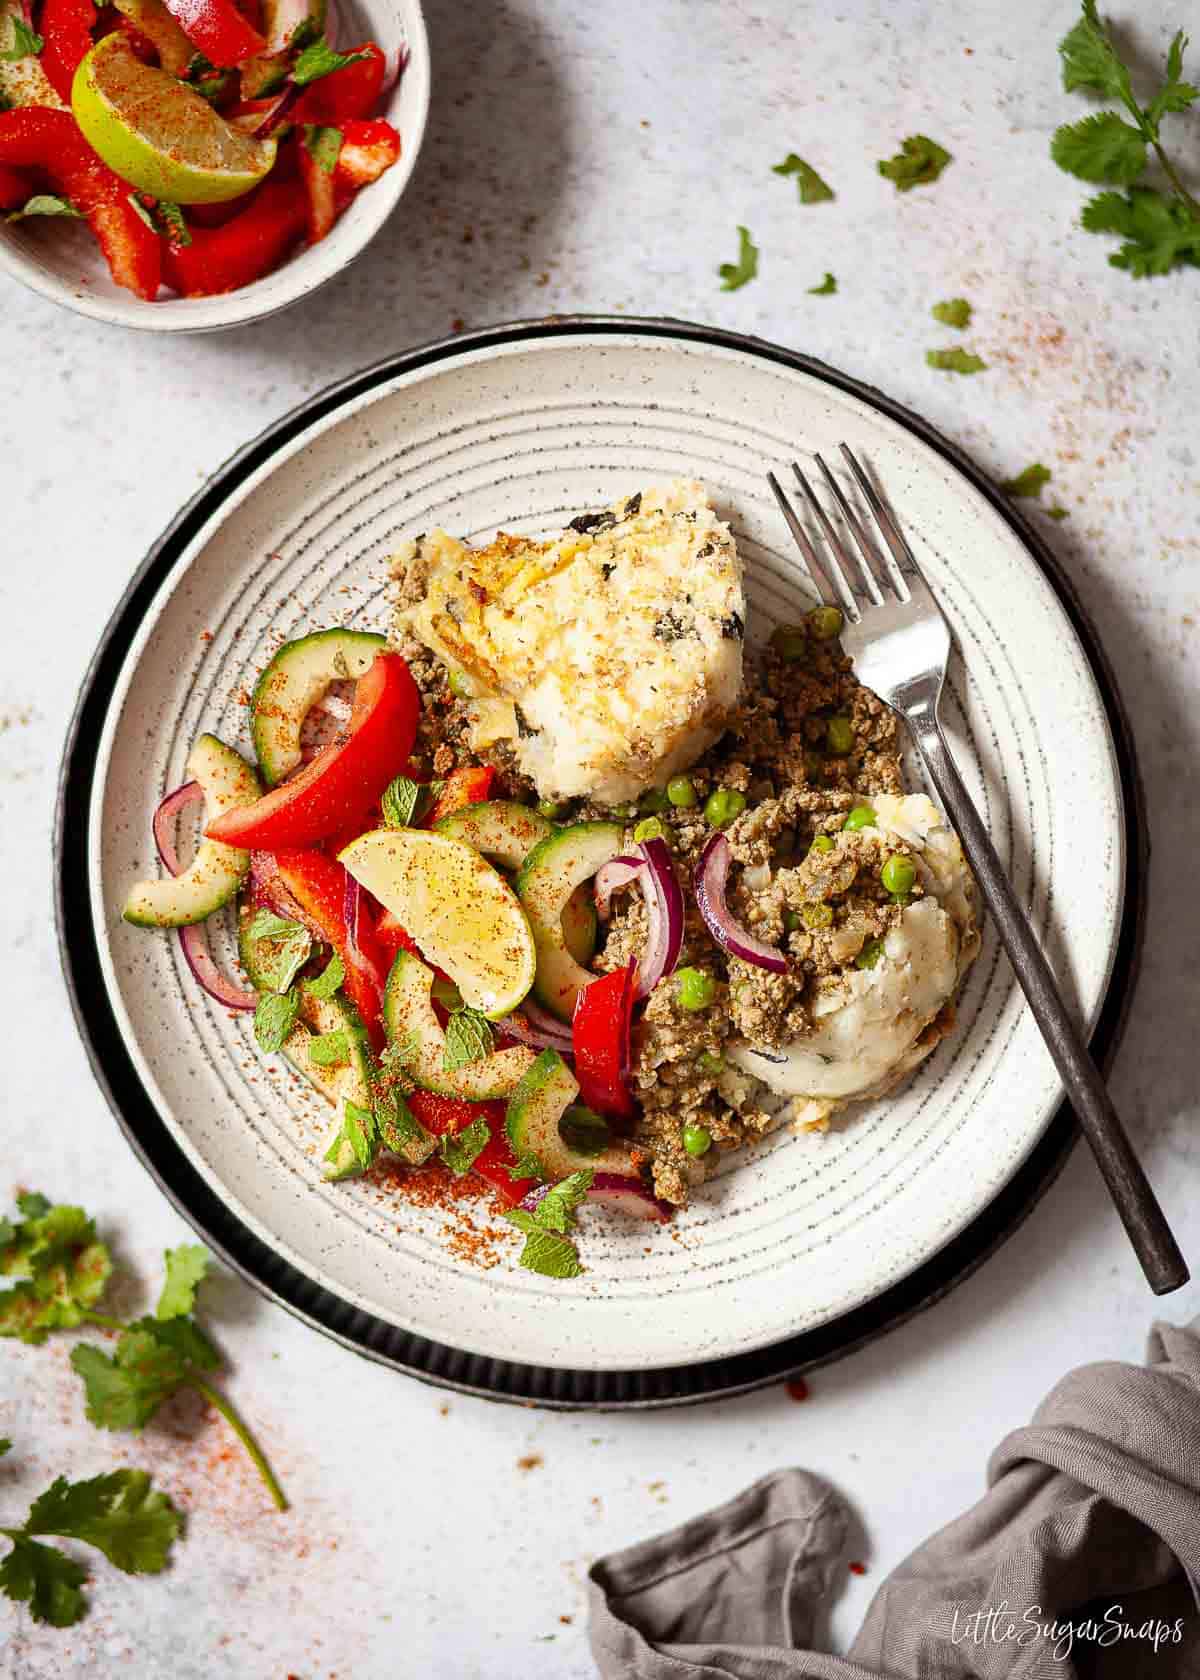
[[584, 157]]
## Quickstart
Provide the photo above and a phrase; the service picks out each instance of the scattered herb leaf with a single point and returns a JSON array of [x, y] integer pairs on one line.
[[953, 312], [319, 59], [812, 189], [1028, 482], [955, 361], [461, 1150], [1058, 512], [331, 1049], [527, 1166], [323, 145], [919, 161], [289, 946], [62, 1268], [275, 1017], [735, 275], [400, 800], [26, 41], [186, 1269], [827, 287], [329, 979]]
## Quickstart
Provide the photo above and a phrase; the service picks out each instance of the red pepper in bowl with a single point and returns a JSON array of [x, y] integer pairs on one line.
[[600, 1039], [218, 30], [66, 28]]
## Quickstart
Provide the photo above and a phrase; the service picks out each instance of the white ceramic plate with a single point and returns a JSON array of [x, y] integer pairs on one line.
[[522, 429]]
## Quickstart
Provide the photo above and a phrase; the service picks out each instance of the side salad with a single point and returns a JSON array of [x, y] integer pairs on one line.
[[201, 140], [418, 949]]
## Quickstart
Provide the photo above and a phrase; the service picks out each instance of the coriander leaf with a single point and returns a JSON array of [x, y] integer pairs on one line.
[[1058, 512], [153, 1358], [527, 1166], [323, 146], [812, 189], [31, 1204], [919, 161], [118, 1513], [45, 1579], [26, 41], [556, 1210], [400, 800], [735, 275], [329, 979], [1174, 96], [827, 286], [170, 218], [275, 1017], [288, 947], [1029, 482], [954, 312], [186, 1269], [955, 361], [63, 1269], [319, 59], [1159, 231], [460, 1151], [1102, 147], [1088, 58], [468, 1039], [551, 1255], [331, 1049], [44, 204]]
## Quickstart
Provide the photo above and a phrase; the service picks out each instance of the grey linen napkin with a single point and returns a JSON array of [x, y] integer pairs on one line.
[[1081, 1562]]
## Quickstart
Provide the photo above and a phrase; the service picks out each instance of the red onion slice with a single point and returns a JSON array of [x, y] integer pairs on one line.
[[616, 1191], [518, 1026], [617, 872], [195, 947], [712, 873], [664, 910]]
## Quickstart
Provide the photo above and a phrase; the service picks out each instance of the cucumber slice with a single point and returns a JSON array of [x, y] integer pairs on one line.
[[579, 924], [350, 1081], [292, 684], [548, 877], [409, 1018], [534, 1113], [216, 871]]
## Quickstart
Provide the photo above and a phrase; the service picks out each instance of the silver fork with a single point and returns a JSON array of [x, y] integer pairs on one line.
[[899, 641]]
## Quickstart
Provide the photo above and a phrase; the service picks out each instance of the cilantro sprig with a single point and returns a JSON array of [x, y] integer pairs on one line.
[[62, 1270], [120, 1514], [548, 1250], [1159, 230]]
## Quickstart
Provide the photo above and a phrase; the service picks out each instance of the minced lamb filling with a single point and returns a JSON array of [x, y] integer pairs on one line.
[[801, 779]]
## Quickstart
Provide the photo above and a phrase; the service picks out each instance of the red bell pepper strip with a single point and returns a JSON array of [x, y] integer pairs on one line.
[[347, 777], [461, 787], [35, 137], [15, 188], [441, 1116], [242, 249], [66, 29], [218, 30], [343, 94], [318, 885], [368, 148], [392, 937], [600, 1040]]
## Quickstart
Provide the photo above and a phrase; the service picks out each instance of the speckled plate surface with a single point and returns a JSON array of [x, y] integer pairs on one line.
[[811, 1244]]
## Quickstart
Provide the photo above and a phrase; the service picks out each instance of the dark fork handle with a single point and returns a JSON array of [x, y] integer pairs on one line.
[[1143, 1218]]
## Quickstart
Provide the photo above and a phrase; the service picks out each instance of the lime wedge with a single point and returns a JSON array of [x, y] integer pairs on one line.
[[159, 135], [462, 913]]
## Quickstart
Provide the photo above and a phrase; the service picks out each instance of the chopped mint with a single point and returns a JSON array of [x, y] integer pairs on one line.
[[954, 312], [173, 224], [1028, 482], [289, 946], [329, 979], [275, 1017], [26, 41], [319, 59], [331, 1049], [827, 287], [468, 1039], [812, 189], [919, 161], [400, 800], [955, 361], [461, 1150], [324, 145], [735, 275]]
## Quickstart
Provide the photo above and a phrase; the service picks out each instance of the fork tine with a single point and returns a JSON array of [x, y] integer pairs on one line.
[[876, 576], [893, 536], [837, 555], [817, 574]]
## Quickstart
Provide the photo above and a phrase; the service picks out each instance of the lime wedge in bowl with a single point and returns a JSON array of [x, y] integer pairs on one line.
[[160, 135], [462, 913]]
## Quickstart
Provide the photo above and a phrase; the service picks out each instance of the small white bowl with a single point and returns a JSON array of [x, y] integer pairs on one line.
[[61, 260]]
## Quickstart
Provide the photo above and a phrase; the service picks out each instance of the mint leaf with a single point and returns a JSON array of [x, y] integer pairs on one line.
[[170, 218], [527, 1166], [1027, 483], [45, 1579], [461, 1150], [329, 979], [468, 1039], [954, 312], [1088, 58], [1102, 147], [556, 1210], [26, 41], [331, 1049], [955, 361], [355, 1142], [187, 1267], [400, 800], [274, 1018], [919, 161], [400, 1053], [735, 275], [286, 947], [812, 189], [44, 204], [399, 1130], [319, 59], [825, 289], [120, 1514], [323, 145], [551, 1255]]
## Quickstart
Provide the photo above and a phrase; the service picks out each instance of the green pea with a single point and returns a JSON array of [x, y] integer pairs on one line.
[[460, 685], [822, 843], [697, 1140], [650, 828], [839, 736], [723, 806], [681, 791], [654, 799], [791, 920], [898, 874], [550, 809], [694, 989], [824, 623], [870, 954], [710, 1062], [862, 816], [817, 915], [789, 642]]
